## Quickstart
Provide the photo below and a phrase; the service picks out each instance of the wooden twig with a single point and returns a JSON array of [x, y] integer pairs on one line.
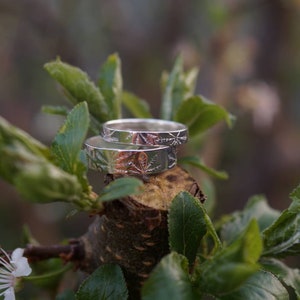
[[74, 251]]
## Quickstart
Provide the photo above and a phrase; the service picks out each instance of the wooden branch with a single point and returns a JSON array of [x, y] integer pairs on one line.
[[133, 232], [74, 251]]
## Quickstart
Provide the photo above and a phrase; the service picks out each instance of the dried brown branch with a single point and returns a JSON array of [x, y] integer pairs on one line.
[[73, 251]]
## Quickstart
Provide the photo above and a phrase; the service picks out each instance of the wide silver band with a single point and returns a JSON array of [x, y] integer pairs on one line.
[[145, 132], [128, 159]]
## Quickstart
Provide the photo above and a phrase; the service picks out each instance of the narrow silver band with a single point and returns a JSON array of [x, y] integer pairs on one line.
[[145, 132], [128, 159]]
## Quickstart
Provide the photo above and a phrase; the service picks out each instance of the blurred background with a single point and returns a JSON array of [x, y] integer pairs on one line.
[[248, 52]]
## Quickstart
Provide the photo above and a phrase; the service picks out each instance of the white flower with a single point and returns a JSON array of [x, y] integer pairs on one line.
[[12, 268]]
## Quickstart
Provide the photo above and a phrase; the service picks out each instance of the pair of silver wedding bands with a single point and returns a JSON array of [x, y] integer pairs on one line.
[[136, 147]]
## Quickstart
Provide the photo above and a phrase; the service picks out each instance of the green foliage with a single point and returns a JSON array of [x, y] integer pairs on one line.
[[196, 162], [105, 99], [107, 282], [110, 85], [121, 187], [256, 208], [235, 269], [27, 164], [176, 87], [78, 88], [16, 147], [290, 277], [170, 280], [57, 173], [261, 286], [295, 194], [282, 238], [199, 114], [42, 182], [67, 143], [236, 259], [187, 225], [55, 110], [232, 265], [138, 107]]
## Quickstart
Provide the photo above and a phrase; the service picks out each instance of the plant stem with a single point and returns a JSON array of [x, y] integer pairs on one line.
[[74, 251]]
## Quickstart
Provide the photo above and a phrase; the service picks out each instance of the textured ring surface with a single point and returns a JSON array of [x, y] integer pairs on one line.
[[145, 132], [128, 159]]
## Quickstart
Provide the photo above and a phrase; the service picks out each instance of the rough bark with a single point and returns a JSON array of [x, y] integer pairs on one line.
[[133, 232]]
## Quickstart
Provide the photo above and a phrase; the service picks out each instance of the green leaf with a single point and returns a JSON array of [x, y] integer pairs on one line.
[[282, 238], [25, 163], [209, 190], [290, 277], [17, 149], [256, 208], [211, 232], [190, 80], [232, 265], [66, 295], [295, 194], [121, 187], [10, 134], [106, 283], [172, 95], [169, 280], [198, 163], [137, 106], [176, 86], [55, 110], [110, 84], [79, 87], [67, 144], [260, 286], [27, 237], [199, 114], [187, 225], [42, 182]]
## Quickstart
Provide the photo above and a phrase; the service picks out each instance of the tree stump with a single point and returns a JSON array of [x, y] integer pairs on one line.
[[133, 232]]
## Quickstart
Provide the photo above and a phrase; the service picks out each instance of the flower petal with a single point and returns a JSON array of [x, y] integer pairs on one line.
[[22, 268], [20, 263], [17, 254], [9, 294]]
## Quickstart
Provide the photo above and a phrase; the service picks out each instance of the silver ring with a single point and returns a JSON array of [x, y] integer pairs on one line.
[[145, 132], [128, 159]]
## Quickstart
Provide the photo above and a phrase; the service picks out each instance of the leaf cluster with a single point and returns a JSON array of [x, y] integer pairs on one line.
[[238, 258], [106, 99], [58, 173], [29, 166], [44, 174], [234, 260]]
